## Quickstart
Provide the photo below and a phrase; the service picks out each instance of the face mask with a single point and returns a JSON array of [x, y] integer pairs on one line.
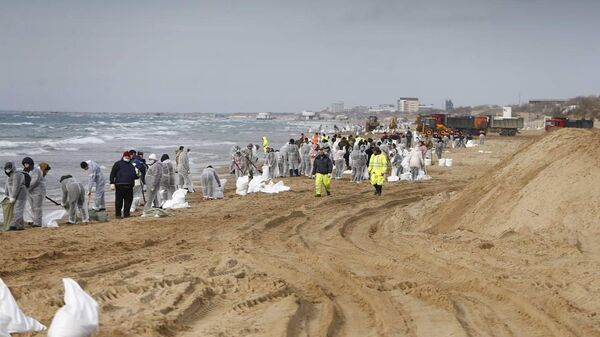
[[151, 161], [7, 172], [126, 160]]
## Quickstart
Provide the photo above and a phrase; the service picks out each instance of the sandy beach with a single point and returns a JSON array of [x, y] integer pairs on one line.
[[504, 243]]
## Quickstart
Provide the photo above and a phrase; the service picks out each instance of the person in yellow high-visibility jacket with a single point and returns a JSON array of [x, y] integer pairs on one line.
[[265, 144], [377, 167]]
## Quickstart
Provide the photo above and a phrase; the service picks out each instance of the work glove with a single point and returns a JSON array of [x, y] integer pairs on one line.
[[12, 200], [112, 187]]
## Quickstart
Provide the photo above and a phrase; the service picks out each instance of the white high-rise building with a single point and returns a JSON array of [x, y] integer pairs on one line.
[[337, 107], [408, 105]]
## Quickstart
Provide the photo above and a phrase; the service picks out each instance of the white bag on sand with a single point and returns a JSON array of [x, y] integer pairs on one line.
[[242, 185], [442, 162], [4, 320], [427, 161], [448, 162], [405, 176], [265, 173], [18, 322], [178, 200], [471, 143], [219, 194], [50, 220], [366, 173], [78, 317], [393, 178], [259, 184]]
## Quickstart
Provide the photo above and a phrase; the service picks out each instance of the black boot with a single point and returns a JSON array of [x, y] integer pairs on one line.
[[296, 172], [291, 172]]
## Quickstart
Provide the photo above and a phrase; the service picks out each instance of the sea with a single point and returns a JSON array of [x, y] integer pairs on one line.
[[64, 140]]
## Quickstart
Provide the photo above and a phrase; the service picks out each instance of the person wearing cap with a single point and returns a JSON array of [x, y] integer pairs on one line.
[[153, 177], [16, 191], [36, 190], [122, 179], [168, 183], [322, 168], [96, 182]]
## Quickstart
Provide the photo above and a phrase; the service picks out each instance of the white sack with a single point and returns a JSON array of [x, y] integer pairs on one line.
[[393, 178], [78, 317], [220, 190], [471, 143], [18, 323], [405, 176], [50, 220], [442, 162], [4, 320], [178, 200], [265, 173], [259, 184], [448, 162], [242, 185]]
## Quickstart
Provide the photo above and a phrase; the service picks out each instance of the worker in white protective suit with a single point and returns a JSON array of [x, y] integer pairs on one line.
[[36, 192], [16, 191], [168, 183], [210, 183], [96, 183], [153, 178], [183, 168], [73, 199]]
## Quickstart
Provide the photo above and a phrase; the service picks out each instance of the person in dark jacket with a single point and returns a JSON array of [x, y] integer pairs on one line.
[[122, 180], [322, 168]]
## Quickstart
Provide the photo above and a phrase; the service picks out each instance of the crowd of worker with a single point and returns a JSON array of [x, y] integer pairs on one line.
[[137, 181]]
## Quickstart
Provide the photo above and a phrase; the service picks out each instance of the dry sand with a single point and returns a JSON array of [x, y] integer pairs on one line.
[[510, 251]]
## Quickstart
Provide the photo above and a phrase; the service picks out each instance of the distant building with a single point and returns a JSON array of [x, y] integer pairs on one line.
[[263, 116], [547, 101], [449, 105], [337, 107], [309, 115], [382, 108], [408, 105], [425, 107], [360, 109]]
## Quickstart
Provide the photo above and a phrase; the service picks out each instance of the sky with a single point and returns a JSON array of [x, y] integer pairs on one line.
[[228, 56]]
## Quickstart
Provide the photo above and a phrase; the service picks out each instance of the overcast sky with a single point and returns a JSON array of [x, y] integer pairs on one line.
[[248, 55]]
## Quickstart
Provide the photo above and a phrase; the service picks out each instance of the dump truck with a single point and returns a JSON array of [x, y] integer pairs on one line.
[[468, 124], [564, 122], [505, 126], [372, 123]]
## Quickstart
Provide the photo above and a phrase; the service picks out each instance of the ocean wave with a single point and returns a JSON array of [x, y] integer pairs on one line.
[[9, 144], [74, 140], [17, 124], [166, 133]]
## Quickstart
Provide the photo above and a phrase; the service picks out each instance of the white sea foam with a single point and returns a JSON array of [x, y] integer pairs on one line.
[[17, 124], [74, 140]]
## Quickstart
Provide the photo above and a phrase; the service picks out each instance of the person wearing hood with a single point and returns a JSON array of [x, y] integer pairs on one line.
[[314, 152], [397, 155], [439, 148], [122, 180], [183, 168], [210, 183], [96, 182], [358, 162], [36, 190], [238, 163], [16, 191], [377, 168], [305, 157], [168, 183], [271, 162], [140, 168], [416, 163], [265, 143], [338, 158], [408, 138], [153, 178], [250, 160], [73, 199], [293, 156]]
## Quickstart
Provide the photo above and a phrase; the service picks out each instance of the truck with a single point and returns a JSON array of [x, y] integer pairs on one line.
[[444, 124], [564, 122], [505, 126]]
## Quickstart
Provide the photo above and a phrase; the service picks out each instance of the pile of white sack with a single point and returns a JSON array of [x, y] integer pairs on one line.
[[178, 200], [77, 318], [471, 143], [258, 184]]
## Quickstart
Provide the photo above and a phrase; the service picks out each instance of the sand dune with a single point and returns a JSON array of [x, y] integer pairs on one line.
[[347, 265]]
